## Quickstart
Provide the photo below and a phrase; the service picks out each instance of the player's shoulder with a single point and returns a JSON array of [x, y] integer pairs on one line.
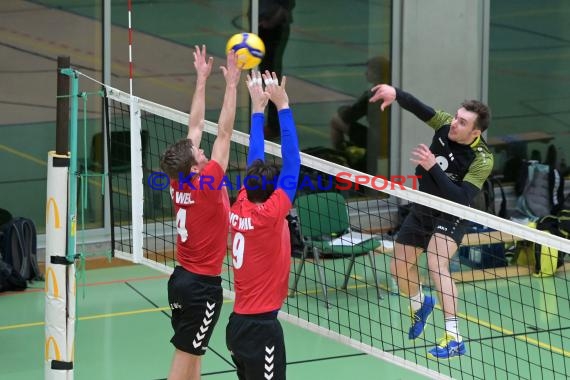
[[484, 158], [439, 120], [275, 205], [481, 146], [240, 200], [212, 166]]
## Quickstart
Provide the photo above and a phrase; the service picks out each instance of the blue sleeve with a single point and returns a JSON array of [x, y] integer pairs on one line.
[[290, 153], [256, 147]]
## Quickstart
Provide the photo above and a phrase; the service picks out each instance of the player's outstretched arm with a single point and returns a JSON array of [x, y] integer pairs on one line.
[[289, 141], [259, 100], [221, 148], [406, 100], [203, 68]]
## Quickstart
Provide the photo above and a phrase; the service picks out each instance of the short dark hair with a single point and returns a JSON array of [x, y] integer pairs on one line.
[[483, 113], [260, 181], [178, 158]]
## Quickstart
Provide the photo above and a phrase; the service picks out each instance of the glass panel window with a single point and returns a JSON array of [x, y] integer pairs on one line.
[[528, 89]]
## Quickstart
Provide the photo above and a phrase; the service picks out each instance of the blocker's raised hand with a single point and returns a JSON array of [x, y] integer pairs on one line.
[[202, 64], [259, 98], [276, 91], [231, 71]]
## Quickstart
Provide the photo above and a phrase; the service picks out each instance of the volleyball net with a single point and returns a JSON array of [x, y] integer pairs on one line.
[[514, 324]]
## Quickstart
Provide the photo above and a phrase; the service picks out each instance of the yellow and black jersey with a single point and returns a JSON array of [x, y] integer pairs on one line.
[[466, 167]]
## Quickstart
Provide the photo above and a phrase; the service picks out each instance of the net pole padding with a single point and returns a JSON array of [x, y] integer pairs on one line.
[[64, 321], [62, 109], [56, 297], [327, 167], [137, 200]]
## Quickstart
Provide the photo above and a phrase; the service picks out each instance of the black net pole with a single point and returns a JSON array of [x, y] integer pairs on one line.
[[62, 117]]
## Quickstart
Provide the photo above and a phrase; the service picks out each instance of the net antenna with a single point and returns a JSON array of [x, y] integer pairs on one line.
[[136, 155], [131, 67]]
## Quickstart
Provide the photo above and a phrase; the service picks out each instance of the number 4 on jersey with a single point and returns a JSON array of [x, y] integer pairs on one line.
[[181, 224]]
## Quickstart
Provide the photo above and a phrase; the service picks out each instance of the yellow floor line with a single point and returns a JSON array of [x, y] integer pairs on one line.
[[524, 338], [467, 317], [21, 326], [96, 316]]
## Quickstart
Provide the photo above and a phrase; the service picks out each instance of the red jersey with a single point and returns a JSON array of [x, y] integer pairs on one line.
[[261, 252], [202, 221]]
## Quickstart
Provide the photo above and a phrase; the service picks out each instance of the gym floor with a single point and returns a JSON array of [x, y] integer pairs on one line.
[[123, 329], [123, 332]]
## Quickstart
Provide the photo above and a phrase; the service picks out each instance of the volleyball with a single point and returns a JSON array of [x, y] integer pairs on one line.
[[249, 47]]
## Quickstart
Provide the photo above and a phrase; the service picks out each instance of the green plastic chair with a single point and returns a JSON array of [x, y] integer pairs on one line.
[[324, 222]]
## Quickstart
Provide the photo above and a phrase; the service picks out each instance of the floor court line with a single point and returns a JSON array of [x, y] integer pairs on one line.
[[89, 317], [99, 316], [231, 364], [504, 332], [162, 310], [324, 358], [99, 283]]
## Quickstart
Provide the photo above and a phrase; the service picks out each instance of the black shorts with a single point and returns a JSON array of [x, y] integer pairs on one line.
[[422, 222], [257, 346], [196, 303]]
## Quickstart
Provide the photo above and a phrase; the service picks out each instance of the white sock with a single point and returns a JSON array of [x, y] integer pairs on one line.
[[417, 300], [451, 328]]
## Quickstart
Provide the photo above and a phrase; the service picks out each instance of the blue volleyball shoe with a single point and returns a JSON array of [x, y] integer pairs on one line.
[[420, 317], [447, 348]]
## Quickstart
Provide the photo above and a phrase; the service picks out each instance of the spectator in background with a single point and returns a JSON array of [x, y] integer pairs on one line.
[[535, 155], [362, 143], [516, 155], [275, 18]]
